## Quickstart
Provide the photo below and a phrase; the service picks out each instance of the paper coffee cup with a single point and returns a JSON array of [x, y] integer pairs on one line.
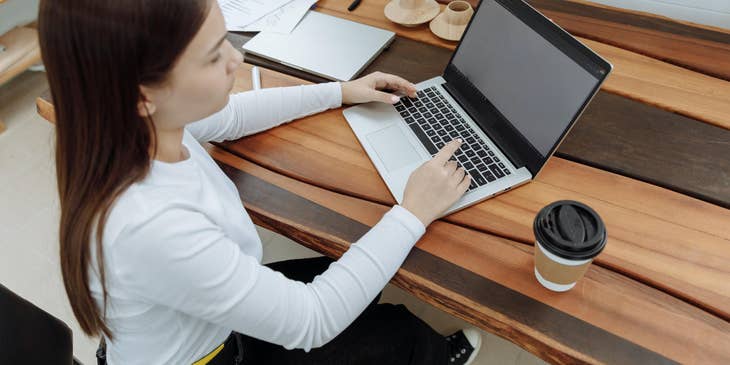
[[569, 235]]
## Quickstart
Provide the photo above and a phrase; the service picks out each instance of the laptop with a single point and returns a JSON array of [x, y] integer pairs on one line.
[[323, 45], [512, 90]]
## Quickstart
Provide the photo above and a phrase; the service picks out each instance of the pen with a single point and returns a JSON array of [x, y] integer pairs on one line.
[[255, 78], [353, 5]]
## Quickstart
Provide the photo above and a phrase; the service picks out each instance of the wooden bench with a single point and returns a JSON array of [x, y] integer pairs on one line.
[[18, 50]]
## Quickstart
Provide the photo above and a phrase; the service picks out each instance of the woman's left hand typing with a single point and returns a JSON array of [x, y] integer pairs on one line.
[[369, 88]]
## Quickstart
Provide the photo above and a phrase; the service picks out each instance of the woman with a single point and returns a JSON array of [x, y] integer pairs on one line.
[[157, 252]]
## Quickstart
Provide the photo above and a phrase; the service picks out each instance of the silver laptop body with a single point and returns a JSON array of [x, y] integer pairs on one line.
[[513, 88], [327, 46]]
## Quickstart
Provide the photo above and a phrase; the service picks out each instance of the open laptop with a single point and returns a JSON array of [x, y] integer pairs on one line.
[[512, 90]]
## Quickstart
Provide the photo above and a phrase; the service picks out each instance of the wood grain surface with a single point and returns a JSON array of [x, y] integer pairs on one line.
[[636, 76], [22, 51], [615, 133], [678, 244], [488, 281]]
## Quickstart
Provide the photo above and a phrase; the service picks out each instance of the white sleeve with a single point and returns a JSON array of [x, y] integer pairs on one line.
[[258, 110], [181, 260]]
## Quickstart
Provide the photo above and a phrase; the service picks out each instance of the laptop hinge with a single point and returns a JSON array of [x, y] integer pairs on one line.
[[514, 146]]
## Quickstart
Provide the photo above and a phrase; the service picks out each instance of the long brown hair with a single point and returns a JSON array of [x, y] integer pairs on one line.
[[97, 53]]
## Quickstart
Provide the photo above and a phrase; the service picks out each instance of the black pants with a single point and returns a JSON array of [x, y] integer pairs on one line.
[[383, 334]]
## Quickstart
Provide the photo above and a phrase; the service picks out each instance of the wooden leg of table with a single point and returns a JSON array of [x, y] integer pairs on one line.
[[2, 126]]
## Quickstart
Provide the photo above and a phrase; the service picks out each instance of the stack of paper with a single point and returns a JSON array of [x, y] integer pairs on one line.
[[279, 16]]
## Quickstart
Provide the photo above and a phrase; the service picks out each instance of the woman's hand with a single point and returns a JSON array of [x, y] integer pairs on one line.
[[367, 89], [436, 185]]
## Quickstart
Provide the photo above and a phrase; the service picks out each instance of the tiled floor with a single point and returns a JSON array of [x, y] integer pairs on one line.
[[29, 217]]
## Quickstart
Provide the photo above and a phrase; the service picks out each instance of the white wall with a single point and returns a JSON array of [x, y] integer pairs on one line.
[[17, 12], [709, 12]]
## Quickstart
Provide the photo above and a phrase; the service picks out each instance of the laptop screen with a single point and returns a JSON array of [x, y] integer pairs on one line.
[[537, 87]]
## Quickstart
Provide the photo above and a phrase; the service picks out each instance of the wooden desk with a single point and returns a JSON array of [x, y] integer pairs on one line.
[[658, 294]]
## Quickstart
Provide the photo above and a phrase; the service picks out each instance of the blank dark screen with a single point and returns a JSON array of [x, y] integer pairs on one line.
[[533, 84]]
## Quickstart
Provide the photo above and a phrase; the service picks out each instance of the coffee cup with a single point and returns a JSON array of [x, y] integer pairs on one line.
[[568, 235]]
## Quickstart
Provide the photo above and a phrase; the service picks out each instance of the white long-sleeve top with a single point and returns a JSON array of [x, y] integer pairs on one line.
[[183, 259]]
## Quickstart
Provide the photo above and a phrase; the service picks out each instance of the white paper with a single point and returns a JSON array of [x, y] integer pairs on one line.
[[282, 20], [240, 13]]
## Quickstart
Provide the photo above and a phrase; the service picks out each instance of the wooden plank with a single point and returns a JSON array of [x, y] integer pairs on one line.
[[652, 145], [22, 51], [615, 133], [488, 281], [662, 238], [635, 76]]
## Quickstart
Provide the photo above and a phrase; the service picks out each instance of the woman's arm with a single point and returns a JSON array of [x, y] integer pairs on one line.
[[180, 259], [258, 110]]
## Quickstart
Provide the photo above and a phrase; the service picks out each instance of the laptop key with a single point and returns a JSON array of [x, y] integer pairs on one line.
[[439, 145], [468, 165], [430, 132], [480, 180], [491, 153], [400, 107], [409, 120], [506, 172], [424, 139], [404, 113], [496, 171], [482, 153], [463, 159], [489, 176], [501, 165]]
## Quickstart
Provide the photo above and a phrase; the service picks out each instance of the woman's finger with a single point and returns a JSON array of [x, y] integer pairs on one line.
[[450, 167], [396, 83], [383, 97]]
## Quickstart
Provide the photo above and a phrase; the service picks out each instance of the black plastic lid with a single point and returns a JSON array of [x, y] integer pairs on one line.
[[570, 230]]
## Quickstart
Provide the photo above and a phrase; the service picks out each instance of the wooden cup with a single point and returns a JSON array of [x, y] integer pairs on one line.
[[451, 24], [411, 13]]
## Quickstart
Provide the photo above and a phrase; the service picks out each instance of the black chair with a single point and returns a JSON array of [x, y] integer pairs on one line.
[[29, 335]]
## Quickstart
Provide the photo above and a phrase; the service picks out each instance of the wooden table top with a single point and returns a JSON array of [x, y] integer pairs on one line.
[[659, 293]]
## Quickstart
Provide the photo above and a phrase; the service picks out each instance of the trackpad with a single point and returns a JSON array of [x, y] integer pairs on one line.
[[393, 148]]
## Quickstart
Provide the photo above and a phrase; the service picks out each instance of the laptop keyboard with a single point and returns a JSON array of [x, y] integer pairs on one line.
[[435, 122]]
